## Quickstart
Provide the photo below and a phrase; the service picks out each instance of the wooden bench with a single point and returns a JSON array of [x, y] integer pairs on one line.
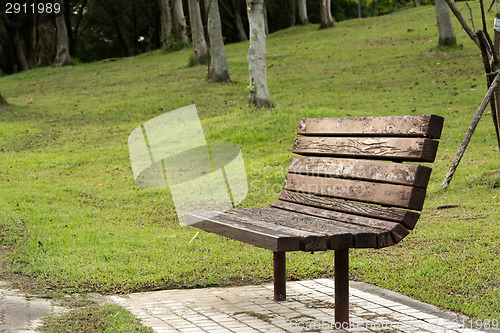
[[346, 188]]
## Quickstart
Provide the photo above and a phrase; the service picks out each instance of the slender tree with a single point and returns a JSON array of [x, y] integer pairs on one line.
[[165, 21], [326, 14], [302, 6], [259, 92], [22, 60], [75, 9], [180, 22], [63, 57], [2, 100], [14, 31], [44, 45], [218, 70], [237, 6], [117, 14], [232, 9], [200, 54], [445, 28], [291, 8]]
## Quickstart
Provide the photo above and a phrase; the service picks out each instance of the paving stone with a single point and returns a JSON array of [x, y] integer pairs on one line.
[[23, 313], [309, 303]]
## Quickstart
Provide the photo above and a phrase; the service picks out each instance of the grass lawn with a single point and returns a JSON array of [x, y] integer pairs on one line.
[[73, 220], [93, 318]]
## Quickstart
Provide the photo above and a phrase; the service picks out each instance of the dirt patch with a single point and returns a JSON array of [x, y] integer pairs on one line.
[[314, 303], [260, 316]]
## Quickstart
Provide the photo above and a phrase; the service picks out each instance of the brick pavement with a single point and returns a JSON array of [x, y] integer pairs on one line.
[[308, 308]]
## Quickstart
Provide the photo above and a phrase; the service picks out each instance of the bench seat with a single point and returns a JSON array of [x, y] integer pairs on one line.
[[300, 228]]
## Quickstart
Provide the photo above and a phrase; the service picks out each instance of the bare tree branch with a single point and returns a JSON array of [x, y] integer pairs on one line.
[[470, 131], [471, 16], [460, 19], [493, 52], [491, 5], [483, 17]]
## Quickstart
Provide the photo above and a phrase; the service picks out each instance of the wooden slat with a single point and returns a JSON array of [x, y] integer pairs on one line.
[[317, 239], [394, 173], [397, 230], [407, 218], [416, 126], [310, 239], [379, 193], [386, 148], [244, 232], [362, 236]]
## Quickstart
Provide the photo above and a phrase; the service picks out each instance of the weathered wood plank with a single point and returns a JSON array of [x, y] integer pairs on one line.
[[244, 232], [415, 126], [310, 239], [386, 148], [321, 239], [407, 218], [394, 173], [397, 230], [379, 193], [362, 236]]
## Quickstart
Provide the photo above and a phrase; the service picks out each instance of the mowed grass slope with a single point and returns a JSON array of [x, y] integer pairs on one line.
[[73, 220]]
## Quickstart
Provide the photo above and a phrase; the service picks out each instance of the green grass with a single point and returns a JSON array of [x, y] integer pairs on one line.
[[94, 318], [73, 219]]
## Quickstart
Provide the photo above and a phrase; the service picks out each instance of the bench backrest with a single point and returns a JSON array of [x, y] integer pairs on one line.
[[353, 167]]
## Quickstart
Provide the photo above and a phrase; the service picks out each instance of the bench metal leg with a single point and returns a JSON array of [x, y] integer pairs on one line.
[[279, 276], [342, 287]]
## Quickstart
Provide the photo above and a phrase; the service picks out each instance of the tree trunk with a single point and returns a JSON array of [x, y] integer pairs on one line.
[[291, 12], [123, 36], [326, 14], [62, 56], [259, 92], [239, 24], [445, 28], [67, 20], [165, 21], [22, 61], [180, 22], [495, 103], [44, 46], [198, 33], [20, 44], [218, 59], [231, 11], [75, 33], [2, 101], [302, 5]]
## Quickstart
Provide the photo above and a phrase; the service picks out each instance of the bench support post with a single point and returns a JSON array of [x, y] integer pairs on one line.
[[342, 287], [279, 276]]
